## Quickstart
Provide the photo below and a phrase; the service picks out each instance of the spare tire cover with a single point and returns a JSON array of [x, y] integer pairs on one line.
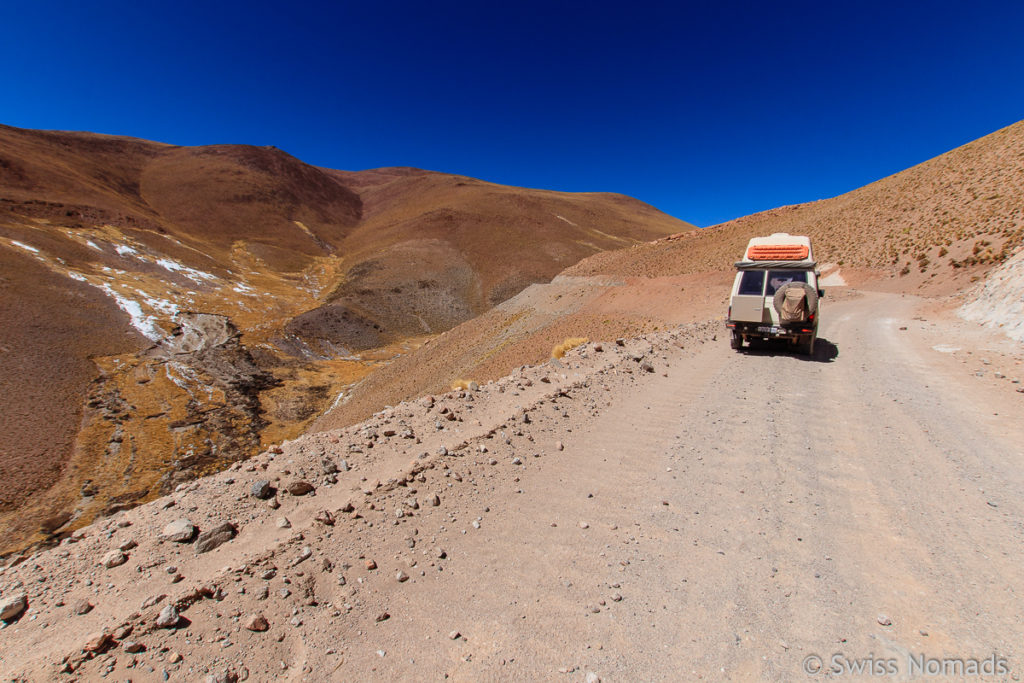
[[812, 297]]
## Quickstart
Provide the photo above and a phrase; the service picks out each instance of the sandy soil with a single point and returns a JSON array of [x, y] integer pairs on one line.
[[722, 516]]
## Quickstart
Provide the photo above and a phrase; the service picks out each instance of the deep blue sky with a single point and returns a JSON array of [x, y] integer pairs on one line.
[[708, 110]]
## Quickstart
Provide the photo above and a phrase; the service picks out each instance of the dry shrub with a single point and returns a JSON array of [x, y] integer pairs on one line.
[[570, 343]]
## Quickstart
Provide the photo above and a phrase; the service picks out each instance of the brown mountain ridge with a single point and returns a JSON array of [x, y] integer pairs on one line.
[[167, 310]]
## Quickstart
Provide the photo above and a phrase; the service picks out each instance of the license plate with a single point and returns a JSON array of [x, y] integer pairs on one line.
[[769, 329]]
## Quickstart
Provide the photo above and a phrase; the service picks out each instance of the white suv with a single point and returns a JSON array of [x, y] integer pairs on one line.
[[775, 294]]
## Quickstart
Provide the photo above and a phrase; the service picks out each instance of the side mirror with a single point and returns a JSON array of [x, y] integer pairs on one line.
[[821, 293]]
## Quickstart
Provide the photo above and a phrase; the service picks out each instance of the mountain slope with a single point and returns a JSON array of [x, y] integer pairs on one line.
[[168, 310], [435, 250], [931, 227], [963, 211]]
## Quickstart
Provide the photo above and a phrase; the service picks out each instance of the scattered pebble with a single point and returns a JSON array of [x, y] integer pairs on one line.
[[115, 558], [257, 622], [168, 617], [299, 488]]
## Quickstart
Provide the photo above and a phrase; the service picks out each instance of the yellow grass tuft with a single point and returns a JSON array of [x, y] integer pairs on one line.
[[570, 343]]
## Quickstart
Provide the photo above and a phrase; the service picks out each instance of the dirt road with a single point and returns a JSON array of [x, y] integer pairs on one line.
[[753, 510], [725, 516]]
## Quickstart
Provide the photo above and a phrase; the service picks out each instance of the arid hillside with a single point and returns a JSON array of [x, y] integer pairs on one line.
[[435, 250], [932, 229], [167, 310]]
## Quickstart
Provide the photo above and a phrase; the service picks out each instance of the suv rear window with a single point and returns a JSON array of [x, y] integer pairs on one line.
[[777, 278], [752, 282]]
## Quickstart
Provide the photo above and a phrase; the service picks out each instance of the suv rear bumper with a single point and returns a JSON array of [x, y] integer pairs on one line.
[[767, 330]]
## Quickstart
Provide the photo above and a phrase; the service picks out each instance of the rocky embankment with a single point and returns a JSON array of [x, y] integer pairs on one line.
[[998, 302], [286, 562]]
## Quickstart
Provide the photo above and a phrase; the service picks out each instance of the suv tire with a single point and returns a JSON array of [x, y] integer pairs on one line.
[[808, 346]]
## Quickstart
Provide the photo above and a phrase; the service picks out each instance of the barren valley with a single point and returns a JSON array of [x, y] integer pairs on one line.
[[168, 311], [552, 470]]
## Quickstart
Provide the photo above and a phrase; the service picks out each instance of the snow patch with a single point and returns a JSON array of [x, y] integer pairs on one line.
[[76, 276], [146, 325], [191, 273], [123, 250], [563, 218], [24, 246], [340, 400], [163, 305]]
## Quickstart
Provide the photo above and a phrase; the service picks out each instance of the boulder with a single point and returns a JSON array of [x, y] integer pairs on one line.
[[299, 488], [262, 489], [168, 617], [12, 607], [115, 558], [257, 622], [179, 531], [210, 539], [98, 642]]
